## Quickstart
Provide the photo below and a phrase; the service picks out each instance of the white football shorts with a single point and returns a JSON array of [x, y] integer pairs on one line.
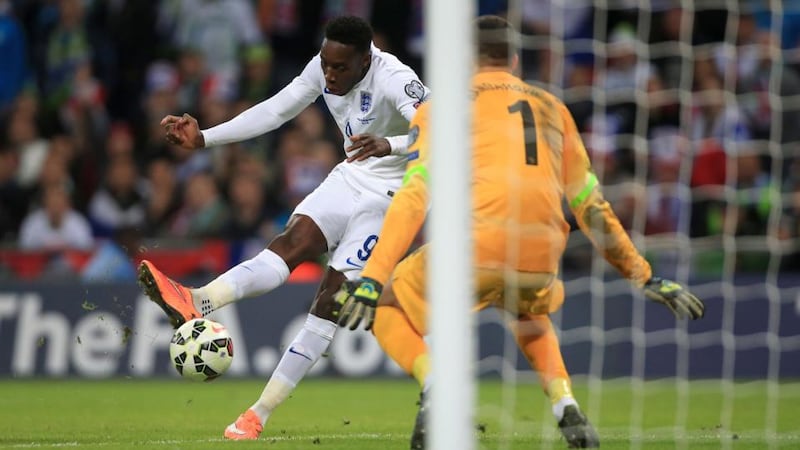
[[349, 211]]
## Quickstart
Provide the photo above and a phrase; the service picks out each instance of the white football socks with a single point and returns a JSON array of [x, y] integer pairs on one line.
[[261, 274], [306, 349], [558, 407]]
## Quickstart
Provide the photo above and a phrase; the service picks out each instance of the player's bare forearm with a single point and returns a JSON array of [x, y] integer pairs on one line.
[[366, 146], [599, 222]]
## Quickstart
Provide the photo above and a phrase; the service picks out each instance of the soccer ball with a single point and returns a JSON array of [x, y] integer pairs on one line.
[[201, 349]]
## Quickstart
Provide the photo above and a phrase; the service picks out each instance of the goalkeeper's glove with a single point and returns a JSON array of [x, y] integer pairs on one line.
[[677, 298], [358, 300]]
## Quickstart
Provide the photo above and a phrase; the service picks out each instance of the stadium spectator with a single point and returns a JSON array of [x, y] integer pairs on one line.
[[667, 201], [571, 22], [755, 193], [203, 212], [118, 203], [67, 50], [124, 34], [291, 27], [159, 97], [24, 136], [191, 75], [163, 197], [256, 82], [306, 169], [55, 226], [750, 68], [248, 218], [626, 73], [120, 141], [220, 29], [83, 113]]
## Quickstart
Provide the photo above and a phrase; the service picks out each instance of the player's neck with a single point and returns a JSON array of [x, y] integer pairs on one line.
[[493, 68]]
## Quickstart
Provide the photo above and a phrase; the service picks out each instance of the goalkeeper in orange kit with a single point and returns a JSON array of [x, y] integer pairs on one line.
[[527, 156]]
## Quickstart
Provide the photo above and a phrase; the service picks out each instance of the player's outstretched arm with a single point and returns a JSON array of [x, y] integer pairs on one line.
[[600, 224], [183, 131], [598, 221]]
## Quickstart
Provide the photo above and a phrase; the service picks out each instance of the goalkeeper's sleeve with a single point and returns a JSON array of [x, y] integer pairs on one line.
[[598, 221], [403, 220]]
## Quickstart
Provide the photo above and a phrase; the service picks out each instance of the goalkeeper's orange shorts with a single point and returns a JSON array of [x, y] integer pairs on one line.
[[516, 292]]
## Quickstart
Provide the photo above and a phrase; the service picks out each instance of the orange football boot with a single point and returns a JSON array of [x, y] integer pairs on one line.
[[246, 428], [173, 298]]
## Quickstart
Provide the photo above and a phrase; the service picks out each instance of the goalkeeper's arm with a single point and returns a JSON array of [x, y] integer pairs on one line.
[[598, 221]]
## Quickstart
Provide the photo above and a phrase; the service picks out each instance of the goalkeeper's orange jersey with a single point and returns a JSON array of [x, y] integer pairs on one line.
[[527, 156]]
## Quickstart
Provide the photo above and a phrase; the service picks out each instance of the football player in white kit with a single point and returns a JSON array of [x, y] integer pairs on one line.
[[372, 96]]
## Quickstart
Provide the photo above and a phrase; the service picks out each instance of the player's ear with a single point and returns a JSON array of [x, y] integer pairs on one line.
[[515, 62]]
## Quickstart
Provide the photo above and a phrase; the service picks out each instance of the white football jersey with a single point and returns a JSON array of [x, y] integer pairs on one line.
[[382, 103]]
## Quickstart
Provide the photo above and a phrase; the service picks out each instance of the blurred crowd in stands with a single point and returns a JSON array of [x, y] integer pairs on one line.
[[702, 105]]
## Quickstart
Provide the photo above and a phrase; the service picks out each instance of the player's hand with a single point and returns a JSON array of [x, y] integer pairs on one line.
[[365, 146], [358, 300], [677, 298], [183, 131]]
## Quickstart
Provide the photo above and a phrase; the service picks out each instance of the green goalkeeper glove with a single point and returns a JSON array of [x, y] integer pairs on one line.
[[358, 300], [677, 298]]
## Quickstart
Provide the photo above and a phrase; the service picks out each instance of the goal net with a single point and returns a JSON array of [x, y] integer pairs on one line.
[[690, 112]]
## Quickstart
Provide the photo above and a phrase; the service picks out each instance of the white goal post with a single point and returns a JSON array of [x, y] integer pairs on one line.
[[448, 41], [652, 141]]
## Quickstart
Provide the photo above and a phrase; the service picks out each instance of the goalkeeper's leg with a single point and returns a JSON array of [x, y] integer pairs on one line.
[[401, 318], [400, 324], [537, 340]]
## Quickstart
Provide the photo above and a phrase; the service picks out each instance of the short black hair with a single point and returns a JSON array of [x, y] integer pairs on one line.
[[350, 30], [497, 39]]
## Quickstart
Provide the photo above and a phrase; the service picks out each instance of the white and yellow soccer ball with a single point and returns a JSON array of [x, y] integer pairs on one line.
[[201, 350]]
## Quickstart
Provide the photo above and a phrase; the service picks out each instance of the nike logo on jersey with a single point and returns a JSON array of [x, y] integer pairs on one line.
[[359, 266], [292, 350]]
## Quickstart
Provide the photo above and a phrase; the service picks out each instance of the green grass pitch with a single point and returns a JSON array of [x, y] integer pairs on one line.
[[378, 414]]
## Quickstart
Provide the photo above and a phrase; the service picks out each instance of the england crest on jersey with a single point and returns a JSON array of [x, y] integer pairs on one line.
[[366, 101]]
